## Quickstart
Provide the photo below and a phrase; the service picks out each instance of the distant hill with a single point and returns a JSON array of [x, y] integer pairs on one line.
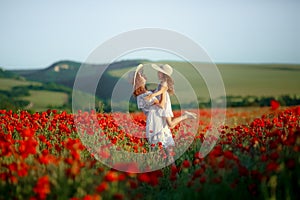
[[8, 74], [64, 73], [245, 84], [17, 93]]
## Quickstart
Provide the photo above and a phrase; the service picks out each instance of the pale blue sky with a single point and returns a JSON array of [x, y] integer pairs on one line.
[[36, 33]]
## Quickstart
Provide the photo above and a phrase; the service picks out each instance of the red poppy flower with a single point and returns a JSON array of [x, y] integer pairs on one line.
[[111, 176], [102, 187], [144, 177], [186, 164], [203, 179], [274, 104], [272, 166], [42, 188]]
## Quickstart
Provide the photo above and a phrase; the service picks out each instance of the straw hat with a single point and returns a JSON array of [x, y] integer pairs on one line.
[[164, 68], [132, 75], [138, 68]]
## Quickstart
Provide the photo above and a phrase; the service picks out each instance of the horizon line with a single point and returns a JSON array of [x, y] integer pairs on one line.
[[104, 63]]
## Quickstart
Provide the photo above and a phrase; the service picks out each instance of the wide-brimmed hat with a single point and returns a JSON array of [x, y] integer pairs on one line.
[[164, 68], [132, 75], [138, 68]]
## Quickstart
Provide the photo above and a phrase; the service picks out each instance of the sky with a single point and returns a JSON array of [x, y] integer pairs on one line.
[[37, 33]]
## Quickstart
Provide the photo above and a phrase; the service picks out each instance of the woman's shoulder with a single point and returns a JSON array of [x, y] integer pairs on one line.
[[144, 94], [142, 102]]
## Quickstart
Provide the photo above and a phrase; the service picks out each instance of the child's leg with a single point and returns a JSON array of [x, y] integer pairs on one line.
[[172, 122], [176, 120]]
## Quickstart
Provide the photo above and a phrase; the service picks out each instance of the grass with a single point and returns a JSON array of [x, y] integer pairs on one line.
[[84, 101], [265, 80], [42, 100], [8, 83], [260, 80]]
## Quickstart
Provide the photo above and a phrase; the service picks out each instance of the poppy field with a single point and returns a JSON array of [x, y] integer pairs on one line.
[[257, 156]]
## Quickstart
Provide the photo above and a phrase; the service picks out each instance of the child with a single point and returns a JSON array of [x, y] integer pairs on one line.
[[166, 87]]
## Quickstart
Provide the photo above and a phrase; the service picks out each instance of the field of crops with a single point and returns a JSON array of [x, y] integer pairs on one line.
[[260, 80], [38, 99], [41, 100], [256, 157], [8, 83]]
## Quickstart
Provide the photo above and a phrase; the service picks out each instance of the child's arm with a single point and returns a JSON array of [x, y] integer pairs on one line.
[[163, 89], [159, 92]]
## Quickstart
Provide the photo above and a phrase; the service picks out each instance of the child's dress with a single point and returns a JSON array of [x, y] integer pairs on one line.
[[167, 111], [157, 129]]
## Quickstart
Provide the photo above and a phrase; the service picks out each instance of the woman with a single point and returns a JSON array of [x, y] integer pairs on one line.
[[157, 128]]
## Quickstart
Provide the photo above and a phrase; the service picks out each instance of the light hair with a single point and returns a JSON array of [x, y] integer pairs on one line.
[[170, 83]]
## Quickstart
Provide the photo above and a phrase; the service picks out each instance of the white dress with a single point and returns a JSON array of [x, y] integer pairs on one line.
[[167, 112], [157, 129]]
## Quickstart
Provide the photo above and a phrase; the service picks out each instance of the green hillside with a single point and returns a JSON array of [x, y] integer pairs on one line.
[[245, 84], [9, 83], [64, 73], [17, 93], [7, 74], [249, 79], [241, 79], [41, 100]]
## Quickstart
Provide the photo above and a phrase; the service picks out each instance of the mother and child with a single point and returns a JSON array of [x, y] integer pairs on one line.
[[156, 105]]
